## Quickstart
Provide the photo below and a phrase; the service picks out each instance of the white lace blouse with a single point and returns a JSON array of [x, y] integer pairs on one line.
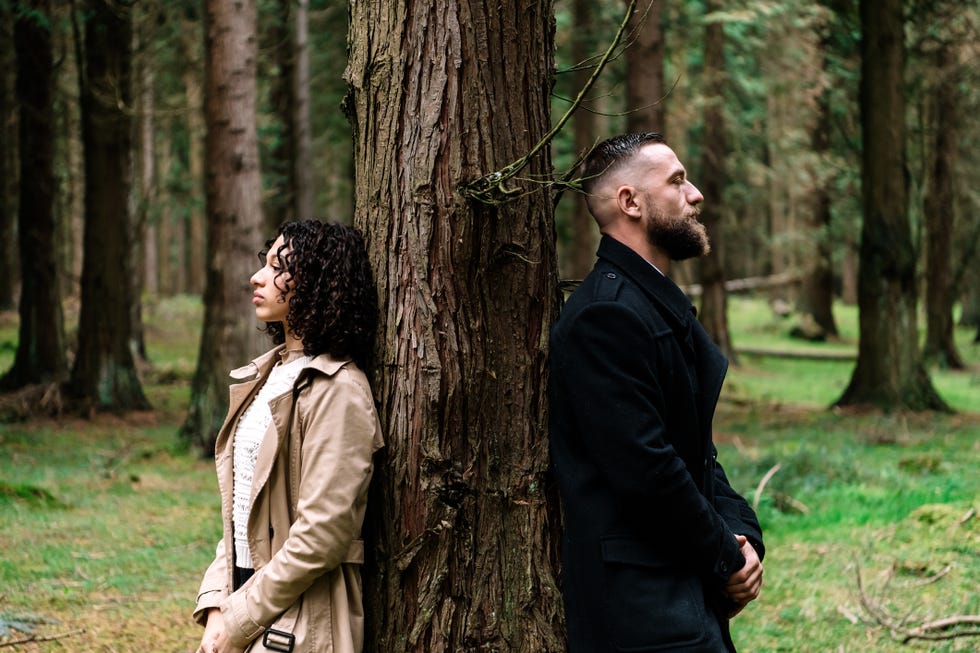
[[249, 434]]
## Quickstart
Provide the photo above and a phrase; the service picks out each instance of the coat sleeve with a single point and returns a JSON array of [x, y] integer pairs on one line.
[[614, 397], [214, 585], [736, 511], [339, 436]]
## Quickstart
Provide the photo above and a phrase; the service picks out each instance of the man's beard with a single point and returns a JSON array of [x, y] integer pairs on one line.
[[680, 238]]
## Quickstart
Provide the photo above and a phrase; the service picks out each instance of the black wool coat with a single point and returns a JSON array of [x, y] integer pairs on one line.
[[650, 518]]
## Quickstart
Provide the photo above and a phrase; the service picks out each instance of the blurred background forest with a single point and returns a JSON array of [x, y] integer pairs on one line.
[[759, 98]]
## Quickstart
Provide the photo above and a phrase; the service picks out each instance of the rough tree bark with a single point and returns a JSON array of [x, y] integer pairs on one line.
[[939, 208], [889, 373], [40, 356], [229, 338], [443, 92], [714, 301]]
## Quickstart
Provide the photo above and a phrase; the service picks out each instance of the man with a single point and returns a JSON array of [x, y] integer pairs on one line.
[[659, 551]]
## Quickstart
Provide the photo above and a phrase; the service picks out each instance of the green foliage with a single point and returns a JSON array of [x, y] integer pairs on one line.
[[892, 497]]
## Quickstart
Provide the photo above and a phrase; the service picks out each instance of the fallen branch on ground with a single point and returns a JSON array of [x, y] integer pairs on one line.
[[32, 639], [926, 630]]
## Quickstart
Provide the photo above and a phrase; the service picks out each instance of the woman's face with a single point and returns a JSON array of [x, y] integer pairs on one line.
[[270, 298]]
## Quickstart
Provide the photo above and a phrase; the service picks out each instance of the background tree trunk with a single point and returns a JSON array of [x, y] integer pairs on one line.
[[40, 356], [466, 524], [714, 301], [229, 337], [195, 227], [889, 372], [816, 298], [104, 372], [278, 167], [939, 208], [302, 130], [645, 69], [585, 232], [8, 161]]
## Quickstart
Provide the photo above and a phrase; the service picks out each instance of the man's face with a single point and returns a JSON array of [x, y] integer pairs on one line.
[[670, 204]]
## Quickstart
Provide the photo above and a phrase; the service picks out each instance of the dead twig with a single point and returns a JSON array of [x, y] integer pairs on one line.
[[926, 630], [32, 639], [762, 484]]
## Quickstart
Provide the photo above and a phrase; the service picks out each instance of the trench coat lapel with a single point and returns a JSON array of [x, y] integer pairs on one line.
[[711, 365]]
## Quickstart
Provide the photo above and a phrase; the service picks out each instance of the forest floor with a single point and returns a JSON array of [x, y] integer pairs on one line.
[[871, 523]]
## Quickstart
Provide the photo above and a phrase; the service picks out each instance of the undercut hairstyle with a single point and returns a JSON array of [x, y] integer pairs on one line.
[[334, 306], [611, 153]]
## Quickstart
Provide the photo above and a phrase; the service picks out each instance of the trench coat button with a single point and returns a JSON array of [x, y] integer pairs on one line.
[[723, 566], [610, 275]]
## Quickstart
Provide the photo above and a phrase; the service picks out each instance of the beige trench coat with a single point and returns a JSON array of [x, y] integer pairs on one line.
[[308, 498]]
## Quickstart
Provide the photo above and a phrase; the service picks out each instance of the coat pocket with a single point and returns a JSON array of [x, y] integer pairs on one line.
[[652, 604]]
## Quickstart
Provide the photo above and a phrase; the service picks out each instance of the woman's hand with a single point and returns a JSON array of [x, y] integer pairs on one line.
[[215, 639]]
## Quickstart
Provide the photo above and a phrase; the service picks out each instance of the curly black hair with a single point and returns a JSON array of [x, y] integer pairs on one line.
[[334, 306]]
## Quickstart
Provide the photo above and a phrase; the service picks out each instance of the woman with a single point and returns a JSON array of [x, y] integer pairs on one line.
[[294, 455]]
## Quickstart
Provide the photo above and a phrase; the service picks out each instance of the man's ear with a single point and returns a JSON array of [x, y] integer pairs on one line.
[[628, 201]]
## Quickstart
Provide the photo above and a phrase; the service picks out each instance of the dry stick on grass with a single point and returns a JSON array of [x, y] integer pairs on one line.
[[762, 484], [923, 631], [32, 639]]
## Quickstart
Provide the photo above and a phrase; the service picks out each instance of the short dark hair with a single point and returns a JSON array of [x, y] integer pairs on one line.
[[334, 307], [610, 153]]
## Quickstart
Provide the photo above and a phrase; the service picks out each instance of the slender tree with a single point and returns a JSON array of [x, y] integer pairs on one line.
[[816, 298], [191, 39], [443, 93], [714, 301], [939, 207], [40, 356], [581, 252], [645, 90], [889, 372], [104, 372], [234, 213]]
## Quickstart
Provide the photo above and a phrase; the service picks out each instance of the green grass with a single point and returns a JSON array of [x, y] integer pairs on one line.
[[892, 497], [107, 525]]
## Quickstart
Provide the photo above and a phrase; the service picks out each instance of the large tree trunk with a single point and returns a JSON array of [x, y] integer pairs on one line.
[[40, 356], [714, 301], [889, 372], [464, 516], [645, 91], [8, 161], [229, 336], [104, 373], [940, 202]]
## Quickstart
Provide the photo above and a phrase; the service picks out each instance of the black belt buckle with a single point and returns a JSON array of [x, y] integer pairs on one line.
[[277, 640]]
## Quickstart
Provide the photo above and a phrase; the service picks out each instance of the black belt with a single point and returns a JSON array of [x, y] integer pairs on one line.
[[242, 574]]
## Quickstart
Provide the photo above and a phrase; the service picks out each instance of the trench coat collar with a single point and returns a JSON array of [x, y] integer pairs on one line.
[[658, 286], [257, 368], [710, 362], [250, 377]]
